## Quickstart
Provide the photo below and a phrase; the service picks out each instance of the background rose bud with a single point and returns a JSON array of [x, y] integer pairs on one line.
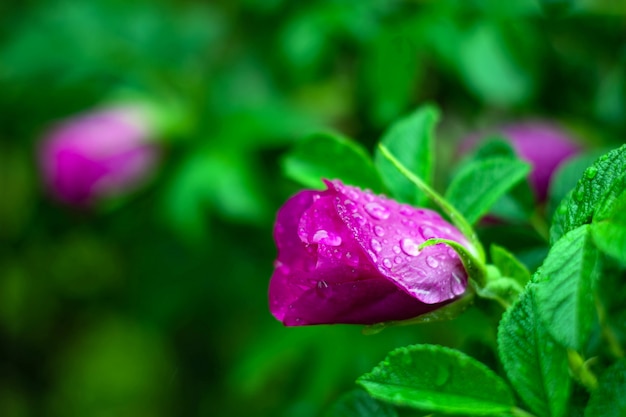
[[544, 145], [348, 256], [100, 154]]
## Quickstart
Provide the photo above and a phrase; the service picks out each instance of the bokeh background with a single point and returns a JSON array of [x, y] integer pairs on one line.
[[156, 305]]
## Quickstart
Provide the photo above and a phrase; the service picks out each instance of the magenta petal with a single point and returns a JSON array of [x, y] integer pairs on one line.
[[348, 256]]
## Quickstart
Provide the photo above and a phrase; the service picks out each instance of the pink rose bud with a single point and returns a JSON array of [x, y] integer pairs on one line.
[[349, 256], [105, 153], [545, 146]]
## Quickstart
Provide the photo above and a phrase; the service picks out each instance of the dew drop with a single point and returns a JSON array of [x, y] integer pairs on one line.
[[591, 172], [322, 284], [352, 193], [376, 245], [579, 194], [360, 219], [432, 262], [396, 249], [379, 230], [372, 255], [406, 211], [350, 206], [397, 259], [326, 238], [387, 263], [451, 253], [427, 232], [377, 211], [409, 247]]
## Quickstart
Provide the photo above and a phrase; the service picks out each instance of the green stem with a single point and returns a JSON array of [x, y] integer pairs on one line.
[[453, 214], [608, 333], [580, 369]]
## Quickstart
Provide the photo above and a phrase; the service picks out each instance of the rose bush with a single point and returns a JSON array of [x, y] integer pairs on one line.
[[104, 153], [349, 256]]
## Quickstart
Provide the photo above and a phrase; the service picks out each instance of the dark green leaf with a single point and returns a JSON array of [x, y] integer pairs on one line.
[[479, 184], [438, 379], [329, 156], [609, 229], [358, 403], [564, 287], [566, 177], [411, 141], [608, 400], [509, 265], [596, 188], [535, 364], [392, 71]]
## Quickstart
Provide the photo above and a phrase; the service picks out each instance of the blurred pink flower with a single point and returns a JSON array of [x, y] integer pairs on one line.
[[349, 256], [542, 144], [104, 153]]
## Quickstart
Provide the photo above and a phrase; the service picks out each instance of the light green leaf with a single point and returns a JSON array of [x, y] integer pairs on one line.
[[564, 287], [599, 184], [438, 379], [410, 140], [359, 403], [608, 400], [508, 265], [330, 156], [534, 363], [609, 229], [506, 81], [479, 184]]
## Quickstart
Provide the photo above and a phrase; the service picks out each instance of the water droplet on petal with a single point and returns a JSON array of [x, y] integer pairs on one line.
[[372, 255], [360, 219], [452, 253], [322, 284], [396, 249], [326, 238], [376, 245], [409, 247], [350, 206], [432, 262], [379, 230], [427, 232], [387, 263], [406, 211], [377, 211], [397, 259], [352, 193]]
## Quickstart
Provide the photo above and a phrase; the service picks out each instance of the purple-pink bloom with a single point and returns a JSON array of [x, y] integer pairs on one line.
[[100, 154], [348, 256], [544, 145]]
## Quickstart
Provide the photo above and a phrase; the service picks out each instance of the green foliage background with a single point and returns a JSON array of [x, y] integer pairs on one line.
[[156, 306]]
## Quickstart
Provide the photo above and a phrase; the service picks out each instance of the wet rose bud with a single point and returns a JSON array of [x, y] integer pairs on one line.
[[349, 256], [97, 155], [545, 146]]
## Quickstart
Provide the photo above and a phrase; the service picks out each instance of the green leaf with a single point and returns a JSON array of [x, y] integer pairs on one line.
[[566, 177], [565, 287], [508, 265], [411, 141], [609, 229], [391, 74], [534, 363], [608, 400], [595, 189], [358, 403], [438, 379], [479, 184], [326, 155], [507, 82]]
